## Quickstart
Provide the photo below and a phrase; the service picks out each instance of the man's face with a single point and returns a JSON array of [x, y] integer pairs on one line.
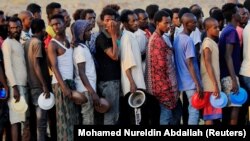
[[2, 20], [244, 15], [237, 16], [27, 20], [164, 25], [58, 26], [67, 19], [15, 29], [214, 30], [192, 24], [143, 20], [37, 15], [132, 24], [107, 20], [91, 17], [57, 11], [87, 33], [176, 20]]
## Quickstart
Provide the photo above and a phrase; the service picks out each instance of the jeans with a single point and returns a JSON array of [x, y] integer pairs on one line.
[[41, 115], [170, 117], [111, 91], [193, 118], [88, 110]]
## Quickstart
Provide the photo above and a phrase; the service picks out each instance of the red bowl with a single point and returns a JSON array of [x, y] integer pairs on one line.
[[198, 103]]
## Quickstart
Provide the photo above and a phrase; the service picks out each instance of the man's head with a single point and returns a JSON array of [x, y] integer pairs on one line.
[[107, 16], [57, 23], [2, 18], [82, 31], [26, 17], [77, 14], [35, 9], [218, 15], [129, 20], [142, 18], [198, 14], [15, 28], [189, 22], [211, 26], [176, 20], [151, 10], [243, 14], [213, 9], [88, 14], [53, 8], [67, 18], [230, 12], [183, 11], [162, 21], [38, 28]]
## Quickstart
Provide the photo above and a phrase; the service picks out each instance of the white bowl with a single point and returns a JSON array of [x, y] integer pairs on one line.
[[44, 103]]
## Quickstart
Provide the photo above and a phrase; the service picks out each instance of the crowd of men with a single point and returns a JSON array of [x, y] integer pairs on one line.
[[171, 54]]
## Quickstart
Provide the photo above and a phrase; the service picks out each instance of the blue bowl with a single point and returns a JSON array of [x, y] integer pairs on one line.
[[239, 98], [221, 102], [2, 94]]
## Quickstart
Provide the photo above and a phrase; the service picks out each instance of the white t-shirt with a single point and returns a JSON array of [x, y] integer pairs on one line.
[[245, 66], [131, 59], [82, 54], [206, 81], [143, 43]]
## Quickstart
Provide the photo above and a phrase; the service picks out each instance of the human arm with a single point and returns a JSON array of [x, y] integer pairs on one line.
[[37, 50], [86, 83], [208, 64], [193, 74], [230, 66], [3, 81], [112, 52], [52, 55], [7, 54]]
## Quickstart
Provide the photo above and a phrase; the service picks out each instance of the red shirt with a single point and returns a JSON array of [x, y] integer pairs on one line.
[[161, 75]]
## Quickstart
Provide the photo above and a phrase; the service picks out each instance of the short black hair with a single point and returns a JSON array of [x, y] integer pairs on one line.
[[57, 16], [158, 16], [218, 15], [212, 9], [197, 13], [124, 15], [1, 12], [37, 25], [50, 7], [34, 8], [205, 23], [192, 6], [108, 11], [169, 12], [76, 15], [183, 11], [175, 10], [247, 5], [151, 10], [113, 6], [85, 12], [15, 19], [228, 10], [138, 11]]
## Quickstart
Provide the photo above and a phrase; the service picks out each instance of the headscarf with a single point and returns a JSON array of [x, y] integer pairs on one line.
[[79, 29]]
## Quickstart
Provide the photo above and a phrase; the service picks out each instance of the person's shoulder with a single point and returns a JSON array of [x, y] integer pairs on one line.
[[6, 42]]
